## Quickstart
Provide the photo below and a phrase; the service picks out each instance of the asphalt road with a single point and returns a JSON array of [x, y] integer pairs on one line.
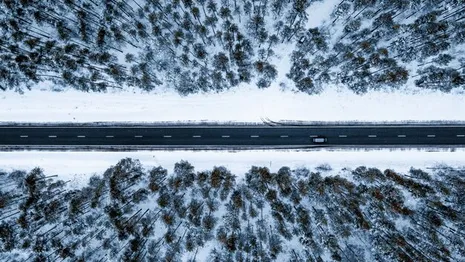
[[240, 136]]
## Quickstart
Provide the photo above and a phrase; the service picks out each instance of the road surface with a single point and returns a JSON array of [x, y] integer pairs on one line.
[[229, 136]]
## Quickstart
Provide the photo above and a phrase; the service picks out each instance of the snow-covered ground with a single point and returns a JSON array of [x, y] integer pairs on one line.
[[78, 166], [319, 11], [245, 104]]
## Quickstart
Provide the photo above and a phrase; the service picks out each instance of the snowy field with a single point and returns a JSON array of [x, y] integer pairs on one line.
[[246, 104], [78, 166]]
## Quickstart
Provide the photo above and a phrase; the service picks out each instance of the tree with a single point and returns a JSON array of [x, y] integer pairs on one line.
[[209, 221], [444, 79], [306, 85], [122, 177], [266, 70], [157, 177], [275, 245], [7, 237], [221, 62], [258, 179], [185, 171], [284, 181]]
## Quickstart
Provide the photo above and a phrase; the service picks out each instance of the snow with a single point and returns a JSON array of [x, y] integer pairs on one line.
[[245, 104], [318, 12], [79, 166]]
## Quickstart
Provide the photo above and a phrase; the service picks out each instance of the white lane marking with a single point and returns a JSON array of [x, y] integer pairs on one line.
[[371, 135], [109, 136], [81, 136], [431, 135], [284, 136], [224, 136], [342, 135], [23, 136], [313, 136], [254, 136], [242, 126], [52, 136], [401, 136], [197, 136], [138, 136], [460, 135], [167, 136]]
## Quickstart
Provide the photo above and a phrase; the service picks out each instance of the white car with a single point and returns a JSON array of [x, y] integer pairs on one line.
[[320, 140]]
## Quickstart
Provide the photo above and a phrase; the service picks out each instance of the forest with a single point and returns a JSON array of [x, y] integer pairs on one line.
[[193, 46], [136, 213]]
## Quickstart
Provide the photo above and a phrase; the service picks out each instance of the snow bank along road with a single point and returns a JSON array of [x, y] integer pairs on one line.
[[228, 136]]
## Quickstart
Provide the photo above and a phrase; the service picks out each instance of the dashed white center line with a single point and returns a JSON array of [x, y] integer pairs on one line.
[[342, 135], [167, 136], [197, 136], [313, 136], [460, 135], [52, 136], [138, 136], [284, 136], [81, 136], [431, 135], [23, 136], [254, 136], [224, 136], [109, 136], [401, 136], [371, 135]]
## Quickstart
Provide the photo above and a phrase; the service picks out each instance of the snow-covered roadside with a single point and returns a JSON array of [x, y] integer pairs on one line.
[[246, 104], [78, 166]]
